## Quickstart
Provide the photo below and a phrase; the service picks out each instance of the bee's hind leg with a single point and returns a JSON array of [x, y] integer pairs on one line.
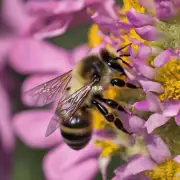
[[109, 116]]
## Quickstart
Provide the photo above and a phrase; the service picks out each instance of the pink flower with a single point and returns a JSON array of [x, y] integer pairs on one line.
[[6, 136], [54, 17], [158, 152], [30, 125], [138, 164], [154, 82], [165, 9]]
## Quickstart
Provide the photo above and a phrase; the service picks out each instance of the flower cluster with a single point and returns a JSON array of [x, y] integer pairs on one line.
[[148, 31]]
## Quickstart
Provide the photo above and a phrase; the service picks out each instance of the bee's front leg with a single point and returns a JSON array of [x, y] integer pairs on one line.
[[121, 83]]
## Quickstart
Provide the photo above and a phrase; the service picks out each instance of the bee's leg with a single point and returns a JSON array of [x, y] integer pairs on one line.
[[109, 116], [119, 58], [121, 83], [111, 103]]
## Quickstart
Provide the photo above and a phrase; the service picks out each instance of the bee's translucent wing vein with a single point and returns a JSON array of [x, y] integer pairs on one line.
[[47, 92], [68, 107]]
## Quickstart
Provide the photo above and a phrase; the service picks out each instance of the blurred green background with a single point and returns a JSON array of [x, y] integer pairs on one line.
[[28, 162]]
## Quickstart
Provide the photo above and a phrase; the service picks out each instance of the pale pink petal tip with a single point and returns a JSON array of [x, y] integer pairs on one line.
[[157, 148], [154, 121]]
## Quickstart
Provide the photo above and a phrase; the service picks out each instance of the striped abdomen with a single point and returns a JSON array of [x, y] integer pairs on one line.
[[76, 132]]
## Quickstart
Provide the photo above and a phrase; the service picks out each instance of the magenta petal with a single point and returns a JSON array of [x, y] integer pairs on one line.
[[29, 56], [157, 148], [135, 165], [177, 119], [6, 131], [31, 127], [64, 163], [151, 86], [171, 108], [154, 121], [163, 57], [148, 33], [139, 19]]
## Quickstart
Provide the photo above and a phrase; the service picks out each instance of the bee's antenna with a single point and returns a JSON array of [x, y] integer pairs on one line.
[[123, 47]]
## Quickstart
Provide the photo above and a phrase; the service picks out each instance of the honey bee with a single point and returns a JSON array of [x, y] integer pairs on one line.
[[78, 90]]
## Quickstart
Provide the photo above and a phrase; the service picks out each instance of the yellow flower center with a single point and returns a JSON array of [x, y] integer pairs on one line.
[[128, 4], [108, 147], [94, 38], [169, 76], [165, 171]]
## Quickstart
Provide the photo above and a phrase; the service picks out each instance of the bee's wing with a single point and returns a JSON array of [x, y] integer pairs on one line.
[[68, 107], [47, 92]]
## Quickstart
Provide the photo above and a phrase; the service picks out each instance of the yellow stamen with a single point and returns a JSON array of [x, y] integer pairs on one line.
[[128, 4], [108, 147], [98, 120], [94, 38], [168, 170], [169, 76]]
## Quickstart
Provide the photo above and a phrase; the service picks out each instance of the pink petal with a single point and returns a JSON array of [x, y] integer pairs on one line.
[[171, 108], [148, 33], [135, 165], [14, 14], [151, 103], [154, 121], [136, 124], [79, 53], [176, 2], [139, 19], [144, 51], [177, 119], [147, 4], [151, 86], [29, 56], [64, 163], [69, 6], [31, 126], [157, 148], [165, 10], [50, 26], [142, 105], [177, 159], [5, 44], [146, 71], [6, 131], [163, 57], [52, 7]]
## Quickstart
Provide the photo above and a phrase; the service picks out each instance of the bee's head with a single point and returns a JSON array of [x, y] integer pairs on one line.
[[93, 66]]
